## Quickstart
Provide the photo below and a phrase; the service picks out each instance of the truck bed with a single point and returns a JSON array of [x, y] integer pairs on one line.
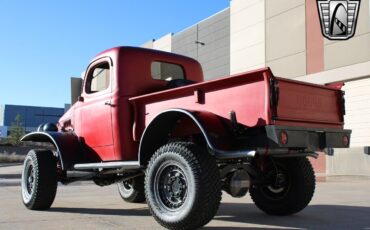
[[257, 97]]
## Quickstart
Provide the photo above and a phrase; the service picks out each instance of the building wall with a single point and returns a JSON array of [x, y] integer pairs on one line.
[[184, 42], [352, 51], [263, 34], [148, 44], [1, 115], [247, 35], [351, 161], [164, 43], [208, 42], [32, 116], [357, 115], [286, 37], [215, 54], [3, 131]]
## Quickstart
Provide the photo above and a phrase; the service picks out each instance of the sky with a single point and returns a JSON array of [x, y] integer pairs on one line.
[[43, 43]]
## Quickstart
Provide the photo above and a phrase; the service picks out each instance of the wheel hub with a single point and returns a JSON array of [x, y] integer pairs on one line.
[[30, 179], [278, 183], [128, 185], [173, 189]]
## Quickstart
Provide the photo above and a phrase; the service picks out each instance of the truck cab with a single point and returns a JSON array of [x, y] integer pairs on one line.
[[103, 117]]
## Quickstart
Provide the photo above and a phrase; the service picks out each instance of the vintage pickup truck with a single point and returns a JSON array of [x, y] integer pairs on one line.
[[146, 120]]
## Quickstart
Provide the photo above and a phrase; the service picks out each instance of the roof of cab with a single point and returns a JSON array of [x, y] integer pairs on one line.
[[115, 51]]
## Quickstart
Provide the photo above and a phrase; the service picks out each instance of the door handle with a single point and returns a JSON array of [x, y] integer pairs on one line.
[[109, 103]]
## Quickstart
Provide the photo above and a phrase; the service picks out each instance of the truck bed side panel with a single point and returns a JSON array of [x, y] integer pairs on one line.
[[247, 96]]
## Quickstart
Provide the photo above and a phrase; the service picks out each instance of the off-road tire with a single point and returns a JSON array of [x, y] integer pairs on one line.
[[196, 172], [39, 179], [132, 191], [296, 194]]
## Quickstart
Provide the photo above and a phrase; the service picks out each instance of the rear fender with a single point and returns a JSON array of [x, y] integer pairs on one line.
[[66, 144], [213, 129]]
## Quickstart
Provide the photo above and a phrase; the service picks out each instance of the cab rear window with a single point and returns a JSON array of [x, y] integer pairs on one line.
[[166, 71]]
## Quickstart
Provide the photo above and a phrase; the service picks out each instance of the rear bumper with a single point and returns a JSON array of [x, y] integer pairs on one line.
[[313, 139], [309, 139]]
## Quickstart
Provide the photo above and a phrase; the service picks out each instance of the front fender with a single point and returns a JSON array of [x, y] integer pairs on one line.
[[66, 144]]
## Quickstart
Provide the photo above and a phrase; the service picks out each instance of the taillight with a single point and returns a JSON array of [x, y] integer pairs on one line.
[[345, 140], [283, 137]]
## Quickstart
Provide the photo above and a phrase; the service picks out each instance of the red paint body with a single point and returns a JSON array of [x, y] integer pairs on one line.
[[112, 133]]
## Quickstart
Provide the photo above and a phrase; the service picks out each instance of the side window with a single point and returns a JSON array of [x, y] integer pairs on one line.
[[99, 78], [166, 71]]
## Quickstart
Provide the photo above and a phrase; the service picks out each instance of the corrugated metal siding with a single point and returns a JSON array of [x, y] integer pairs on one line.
[[357, 115]]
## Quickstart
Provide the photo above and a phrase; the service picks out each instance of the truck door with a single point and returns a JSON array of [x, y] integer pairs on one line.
[[96, 112]]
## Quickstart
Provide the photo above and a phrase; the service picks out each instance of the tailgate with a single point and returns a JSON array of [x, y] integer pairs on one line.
[[301, 103]]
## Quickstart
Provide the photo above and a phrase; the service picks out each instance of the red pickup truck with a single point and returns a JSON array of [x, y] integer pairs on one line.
[[146, 120]]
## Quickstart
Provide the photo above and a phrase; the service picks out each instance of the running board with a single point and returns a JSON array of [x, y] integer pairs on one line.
[[109, 165]]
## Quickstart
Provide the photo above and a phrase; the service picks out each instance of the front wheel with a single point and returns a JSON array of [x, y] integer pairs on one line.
[[39, 179], [182, 186], [291, 185]]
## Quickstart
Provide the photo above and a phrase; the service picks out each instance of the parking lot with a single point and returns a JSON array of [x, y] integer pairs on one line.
[[339, 203]]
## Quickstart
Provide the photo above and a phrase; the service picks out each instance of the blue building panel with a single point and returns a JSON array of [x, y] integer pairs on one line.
[[3, 131], [32, 116], [10, 112]]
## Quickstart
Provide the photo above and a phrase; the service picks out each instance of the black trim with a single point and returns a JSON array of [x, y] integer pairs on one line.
[[156, 135], [66, 144], [298, 137]]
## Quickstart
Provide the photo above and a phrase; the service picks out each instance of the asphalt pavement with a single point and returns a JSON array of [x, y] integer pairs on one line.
[[339, 203]]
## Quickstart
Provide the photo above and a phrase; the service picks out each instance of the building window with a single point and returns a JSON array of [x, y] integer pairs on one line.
[[166, 71], [99, 78]]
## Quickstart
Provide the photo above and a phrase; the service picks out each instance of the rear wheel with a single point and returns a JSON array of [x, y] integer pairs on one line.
[[182, 186], [290, 188], [39, 179], [132, 190]]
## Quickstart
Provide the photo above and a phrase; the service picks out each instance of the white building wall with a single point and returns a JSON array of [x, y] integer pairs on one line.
[[247, 35], [164, 43], [352, 51], [286, 37], [357, 115], [148, 44]]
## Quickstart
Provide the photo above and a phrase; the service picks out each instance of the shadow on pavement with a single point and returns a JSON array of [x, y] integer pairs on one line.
[[313, 217], [104, 211], [10, 176]]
